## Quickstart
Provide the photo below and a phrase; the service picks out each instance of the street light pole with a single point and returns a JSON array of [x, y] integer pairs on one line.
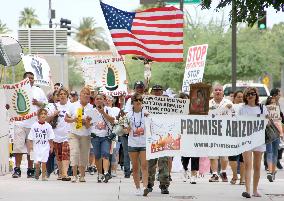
[[234, 46], [181, 2], [50, 18]]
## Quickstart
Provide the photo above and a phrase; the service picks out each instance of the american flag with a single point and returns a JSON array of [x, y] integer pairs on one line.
[[156, 33]]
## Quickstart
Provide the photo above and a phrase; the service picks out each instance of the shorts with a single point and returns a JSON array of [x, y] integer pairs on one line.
[[62, 151], [79, 149], [136, 149], [20, 140], [101, 146], [236, 158], [218, 157]]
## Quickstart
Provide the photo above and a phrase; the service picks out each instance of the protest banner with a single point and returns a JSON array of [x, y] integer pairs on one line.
[[195, 65], [18, 97], [202, 135], [165, 105], [107, 73], [273, 112], [39, 67]]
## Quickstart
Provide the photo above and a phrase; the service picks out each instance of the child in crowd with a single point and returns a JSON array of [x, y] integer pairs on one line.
[[41, 142]]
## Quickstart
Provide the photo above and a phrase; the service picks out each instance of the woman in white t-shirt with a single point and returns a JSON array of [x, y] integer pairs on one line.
[[79, 116], [137, 143], [252, 107], [61, 128]]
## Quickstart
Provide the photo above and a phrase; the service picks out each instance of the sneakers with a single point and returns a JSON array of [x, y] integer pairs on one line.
[[74, 179], [127, 176], [269, 177], [44, 179], [66, 178], [150, 188], [193, 180], [82, 179], [91, 170], [214, 178], [164, 190], [274, 175], [145, 191], [100, 178], [30, 173], [279, 166], [17, 173], [185, 176], [138, 192], [223, 176], [113, 174], [170, 178], [107, 177]]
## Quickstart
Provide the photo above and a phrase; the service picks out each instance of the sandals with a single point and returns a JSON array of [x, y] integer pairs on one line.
[[246, 195], [233, 181], [256, 195]]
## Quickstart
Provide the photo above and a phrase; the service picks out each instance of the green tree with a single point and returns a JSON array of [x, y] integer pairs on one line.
[[3, 28], [247, 11], [90, 35], [75, 77], [28, 18]]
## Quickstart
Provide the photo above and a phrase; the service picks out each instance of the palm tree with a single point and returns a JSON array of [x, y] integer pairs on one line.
[[90, 35], [28, 18], [3, 28]]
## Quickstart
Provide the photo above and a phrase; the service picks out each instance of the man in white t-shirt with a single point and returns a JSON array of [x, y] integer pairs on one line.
[[22, 129], [219, 106]]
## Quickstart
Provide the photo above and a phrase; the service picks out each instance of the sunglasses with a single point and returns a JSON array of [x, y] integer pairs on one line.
[[139, 99], [251, 94]]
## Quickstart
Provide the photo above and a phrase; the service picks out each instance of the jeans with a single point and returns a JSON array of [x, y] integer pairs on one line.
[[272, 151], [126, 159]]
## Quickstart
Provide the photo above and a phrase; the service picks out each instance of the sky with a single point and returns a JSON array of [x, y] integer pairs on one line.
[[75, 10]]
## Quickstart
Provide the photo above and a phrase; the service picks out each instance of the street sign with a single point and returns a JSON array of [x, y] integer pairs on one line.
[[184, 1]]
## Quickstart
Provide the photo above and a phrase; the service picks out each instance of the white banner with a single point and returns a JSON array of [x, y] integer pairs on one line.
[[165, 105], [107, 73], [195, 65], [18, 97], [39, 67], [202, 135], [274, 112]]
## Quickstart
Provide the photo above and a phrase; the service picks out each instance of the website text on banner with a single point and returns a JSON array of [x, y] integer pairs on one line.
[[165, 105], [39, 67], [195, 65], [18, 96], [107, 73], [202, 135]]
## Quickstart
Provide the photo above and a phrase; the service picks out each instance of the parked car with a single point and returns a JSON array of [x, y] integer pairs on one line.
[[262, 89]]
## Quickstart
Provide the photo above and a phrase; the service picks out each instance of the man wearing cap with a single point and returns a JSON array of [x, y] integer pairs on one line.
[[157, 90], [73, 96]]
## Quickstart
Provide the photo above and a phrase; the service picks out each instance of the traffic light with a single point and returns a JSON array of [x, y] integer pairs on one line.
[[64, 23], [262, 20]]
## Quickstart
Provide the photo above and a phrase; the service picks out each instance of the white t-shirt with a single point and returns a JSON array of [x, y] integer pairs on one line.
[[100, 126], [40, 134], [63, 128], [137, 122], [114, 111], [38, 94], [73, 112], [128, 106], [237, 107], [247, 110], [220, 108]]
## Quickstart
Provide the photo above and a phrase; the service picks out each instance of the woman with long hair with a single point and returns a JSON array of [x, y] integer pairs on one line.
[[252, 107]]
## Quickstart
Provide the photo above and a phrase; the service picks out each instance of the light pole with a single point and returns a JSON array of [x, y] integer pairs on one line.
[[234, 46]]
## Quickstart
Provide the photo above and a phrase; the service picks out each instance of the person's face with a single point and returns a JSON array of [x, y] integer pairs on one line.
[[31, 78], [277, 97], [56, 87], [157, 92], [42, 116], [273, 101], [218, 92], [137, 102], [251, 96], [56, 97], [73, 98], [139, 89], [109, 102], [62, 97], [239, 98], [99, 100], [85, 96]]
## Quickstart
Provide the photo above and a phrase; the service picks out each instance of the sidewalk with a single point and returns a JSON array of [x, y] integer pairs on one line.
[[119, 188]]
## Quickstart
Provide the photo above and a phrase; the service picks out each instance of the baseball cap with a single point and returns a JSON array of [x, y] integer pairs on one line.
[[138, 84], [157, 87], [73, 93]]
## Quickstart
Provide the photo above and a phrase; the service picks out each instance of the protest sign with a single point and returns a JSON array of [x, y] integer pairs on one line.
[[165, 105], [39, 67], [195, 65], [18, 97], [202, 135], [273, 112], [107, 73]]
